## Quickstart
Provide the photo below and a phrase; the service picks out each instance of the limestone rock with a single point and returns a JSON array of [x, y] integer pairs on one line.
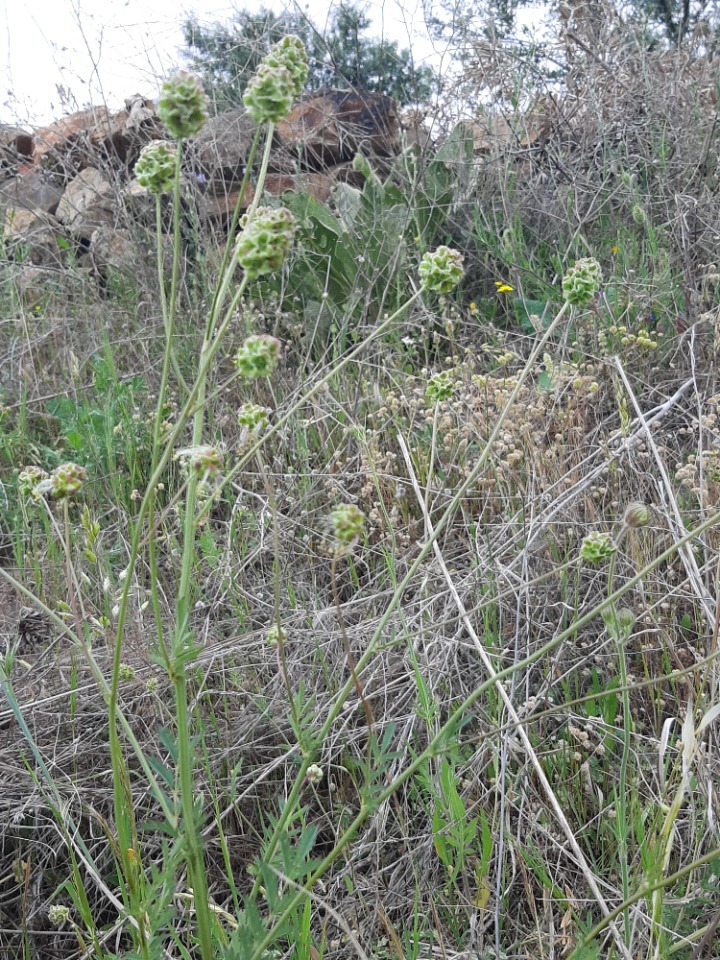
[[33, 236], [220, 151], [88, 203]]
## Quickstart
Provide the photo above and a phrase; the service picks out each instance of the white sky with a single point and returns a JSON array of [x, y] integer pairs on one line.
[[102, 51]]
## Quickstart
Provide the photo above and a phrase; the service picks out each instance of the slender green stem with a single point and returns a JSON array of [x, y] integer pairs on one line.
[[620, 634], [263, 171], [168, 318]]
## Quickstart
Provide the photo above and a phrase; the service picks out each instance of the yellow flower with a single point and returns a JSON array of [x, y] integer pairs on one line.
[[615, 250], [473, 308], [503, 287]]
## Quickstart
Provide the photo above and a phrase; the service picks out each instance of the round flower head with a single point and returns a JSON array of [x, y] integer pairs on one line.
[[314, 773], [253, 417], [28, 480], [270, 93], [258, 356], [290, 53], [155, 168], [441, 271], [636, 515], [625, 618], [582, 282], [440, 387], [597, 547], [58, 915], [265, 242], [67, 479], [347, 523], [182, 106]]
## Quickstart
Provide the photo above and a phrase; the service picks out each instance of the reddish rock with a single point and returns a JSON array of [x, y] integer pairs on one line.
[[16, 147], [318, 185], [332, 127], [219, 209]]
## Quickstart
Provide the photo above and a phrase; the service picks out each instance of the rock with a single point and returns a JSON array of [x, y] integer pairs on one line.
[[220, 151], [114, 249], [333, 126], [33, 190], [218, 210], [35, 284], [67, 145], [88, 203], [33, 236], [318, 185], [16, 147]]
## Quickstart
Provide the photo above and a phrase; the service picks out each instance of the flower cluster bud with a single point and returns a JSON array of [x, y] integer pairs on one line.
[[58, 914], [597, 547], [440, 387], [582, 282], [253, 417], [67, 479], [278, 81], [258, 356], [265, 241], [155, 167], [636, 515], [314, 773], [347, 523], [441, 271], [29, 479], [182, 106]]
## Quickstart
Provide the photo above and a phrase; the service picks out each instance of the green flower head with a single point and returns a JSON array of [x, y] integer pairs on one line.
[[347, 523], [58, 915], [290, 53], [265, 242], [582, 282], [440, 387], [182, 106], [28, 480], [258, 356], [155, 167], [67, 479], [597, 547], [253, 417], [270, 94], [441, 271]]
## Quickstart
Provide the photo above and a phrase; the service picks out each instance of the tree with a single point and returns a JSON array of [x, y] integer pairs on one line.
[[669, 21], [227, 55]]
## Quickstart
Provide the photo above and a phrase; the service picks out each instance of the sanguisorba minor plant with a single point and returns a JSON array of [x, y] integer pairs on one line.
[[147, 894]]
